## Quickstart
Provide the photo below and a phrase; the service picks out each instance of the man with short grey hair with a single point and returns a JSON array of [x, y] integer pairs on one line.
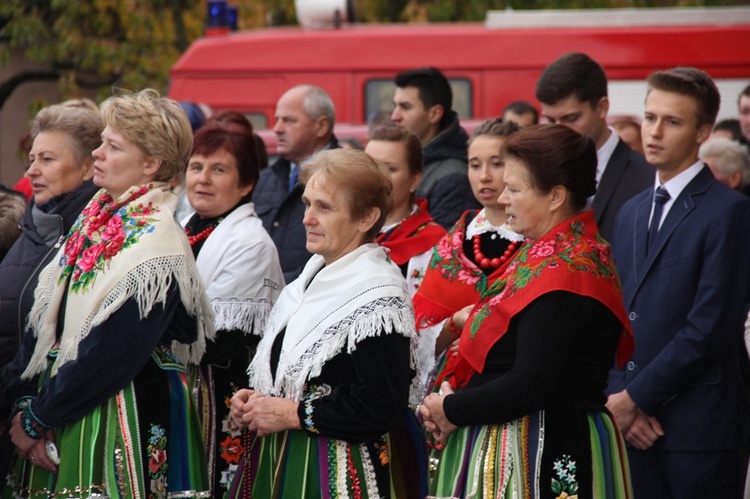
[[728, 161], [304, 124]]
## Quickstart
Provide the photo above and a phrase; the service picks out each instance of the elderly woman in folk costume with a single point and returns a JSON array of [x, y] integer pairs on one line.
[[475, 251], [522, 413], [60, 170], [103, 405], [330, 381], [240, 268]]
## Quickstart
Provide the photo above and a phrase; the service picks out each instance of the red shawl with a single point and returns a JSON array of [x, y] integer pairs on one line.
[[571, 257], [452, 281], [416, 234]]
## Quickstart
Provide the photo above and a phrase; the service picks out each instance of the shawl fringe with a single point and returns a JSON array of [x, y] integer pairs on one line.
[[247, 316], [148, 283], [396, 316]]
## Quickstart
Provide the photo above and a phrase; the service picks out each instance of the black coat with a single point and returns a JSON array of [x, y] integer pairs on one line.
[[281, 212], [627, 174], [445, 182], [20, 269]]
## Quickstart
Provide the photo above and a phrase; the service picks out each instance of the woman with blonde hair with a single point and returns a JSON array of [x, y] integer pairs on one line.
[[102, 405]]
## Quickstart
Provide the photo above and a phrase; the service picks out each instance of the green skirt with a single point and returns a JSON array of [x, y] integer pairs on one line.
[[295, 464], [549, 454], [145, 442]]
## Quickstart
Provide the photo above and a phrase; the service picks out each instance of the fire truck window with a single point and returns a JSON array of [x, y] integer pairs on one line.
[[258, 120], [379, 97]]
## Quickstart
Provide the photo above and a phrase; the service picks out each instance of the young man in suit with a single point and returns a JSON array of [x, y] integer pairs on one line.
[[573, 92], [681, 251]]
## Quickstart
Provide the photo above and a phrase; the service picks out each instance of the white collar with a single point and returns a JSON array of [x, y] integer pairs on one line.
[[674, 187], [604, 153], [677, 184], [481, 224], [386, 228]]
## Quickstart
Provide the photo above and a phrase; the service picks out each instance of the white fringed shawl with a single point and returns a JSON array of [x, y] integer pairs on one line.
[[155, 252], [360, 295], [240, 266]]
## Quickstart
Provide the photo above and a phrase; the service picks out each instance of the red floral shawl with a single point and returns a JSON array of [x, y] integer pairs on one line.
[[416, 234], [452, 281], [571, 257]]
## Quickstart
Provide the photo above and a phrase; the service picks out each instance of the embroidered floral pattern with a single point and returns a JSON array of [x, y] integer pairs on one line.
[[157, 462], [565, 485], [569, 249], [231, 449], [100, 232], [449, 260], [31, 424], [314, 392], [381, 446]]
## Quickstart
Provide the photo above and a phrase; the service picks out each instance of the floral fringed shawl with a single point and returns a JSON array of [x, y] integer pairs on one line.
[[571, 257], [119, 249], [452, 281]]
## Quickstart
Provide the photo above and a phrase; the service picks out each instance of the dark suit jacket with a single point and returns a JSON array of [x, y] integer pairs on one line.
[[626, 174], [686, 300], [281, 212]]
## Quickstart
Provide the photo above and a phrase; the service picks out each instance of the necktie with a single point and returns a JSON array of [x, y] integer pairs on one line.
[[661, 196], [293, 177]]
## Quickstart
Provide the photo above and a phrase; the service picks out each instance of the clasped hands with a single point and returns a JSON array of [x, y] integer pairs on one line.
[[638, 428], [263, 414], [433, 415], [31, 449]]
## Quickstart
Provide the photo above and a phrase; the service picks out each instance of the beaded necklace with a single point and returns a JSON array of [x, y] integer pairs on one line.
[[201, 235], [487, 263]]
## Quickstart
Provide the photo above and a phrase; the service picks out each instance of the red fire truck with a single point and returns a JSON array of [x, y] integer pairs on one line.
[[489, 64]]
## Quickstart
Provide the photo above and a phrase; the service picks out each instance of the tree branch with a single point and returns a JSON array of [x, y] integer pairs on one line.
[[8, 86]]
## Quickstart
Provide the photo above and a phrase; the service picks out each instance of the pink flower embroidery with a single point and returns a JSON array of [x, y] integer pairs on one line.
[[603, 253], [542, 249], [444, 248], [468, 277], [113, 228], [458, 238], [73, 246], [112, 246], [90, 257]]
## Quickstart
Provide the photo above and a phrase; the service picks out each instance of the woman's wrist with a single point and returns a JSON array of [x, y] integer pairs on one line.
[[33, 426], [452, 327]]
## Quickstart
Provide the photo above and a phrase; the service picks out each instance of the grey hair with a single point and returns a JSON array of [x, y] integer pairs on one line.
[[318, 103], [82, 126], [731, 156]]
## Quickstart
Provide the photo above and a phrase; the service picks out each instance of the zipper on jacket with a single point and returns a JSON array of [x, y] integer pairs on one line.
[[21, 320]]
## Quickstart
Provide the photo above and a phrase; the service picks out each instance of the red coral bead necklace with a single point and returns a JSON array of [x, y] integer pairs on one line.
[[201, 235], [487, 263]]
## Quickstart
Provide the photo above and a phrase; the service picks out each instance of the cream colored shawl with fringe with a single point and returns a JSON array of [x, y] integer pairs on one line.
[[150, 251]]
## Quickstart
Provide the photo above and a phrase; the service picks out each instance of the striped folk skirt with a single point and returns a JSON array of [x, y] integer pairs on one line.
[[145, 442], [548, 454], [299, 465]]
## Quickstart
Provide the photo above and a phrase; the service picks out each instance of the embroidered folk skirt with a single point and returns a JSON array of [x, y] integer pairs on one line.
[[214, 387], [559, 454], [295, 464], [143, 442]]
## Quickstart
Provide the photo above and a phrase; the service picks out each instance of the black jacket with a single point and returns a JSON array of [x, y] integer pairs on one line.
[[445, 181], [20, 269], [281, 212]]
